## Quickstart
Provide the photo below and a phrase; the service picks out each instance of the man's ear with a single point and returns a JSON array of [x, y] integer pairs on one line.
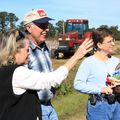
[[29, 27]]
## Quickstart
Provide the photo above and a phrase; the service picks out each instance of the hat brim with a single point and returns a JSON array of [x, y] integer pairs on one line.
[[43, 20]]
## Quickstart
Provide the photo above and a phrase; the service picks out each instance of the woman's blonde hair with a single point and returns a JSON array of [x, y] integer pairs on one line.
[[9, 44]]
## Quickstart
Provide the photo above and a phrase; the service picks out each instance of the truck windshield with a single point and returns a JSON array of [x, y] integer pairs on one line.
[[80, 27]]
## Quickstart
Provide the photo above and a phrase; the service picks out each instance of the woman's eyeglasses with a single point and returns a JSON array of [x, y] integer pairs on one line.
[[109, 42]]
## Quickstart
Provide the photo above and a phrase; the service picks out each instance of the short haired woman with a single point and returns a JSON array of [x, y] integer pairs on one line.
[[91, 78]]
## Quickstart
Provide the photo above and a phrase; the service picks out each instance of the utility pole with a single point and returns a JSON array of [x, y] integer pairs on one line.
[[63, 26]]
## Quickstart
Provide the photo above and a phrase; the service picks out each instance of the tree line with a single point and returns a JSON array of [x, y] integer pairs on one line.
[[8, 21]]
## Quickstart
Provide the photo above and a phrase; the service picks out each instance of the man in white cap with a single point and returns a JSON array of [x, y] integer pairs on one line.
[[36, 24]]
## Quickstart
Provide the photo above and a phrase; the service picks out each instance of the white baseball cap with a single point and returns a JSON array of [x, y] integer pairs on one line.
[[36, 16]]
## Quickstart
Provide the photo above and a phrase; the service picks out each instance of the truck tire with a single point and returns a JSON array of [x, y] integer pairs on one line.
[[56, 54], [52, 52]]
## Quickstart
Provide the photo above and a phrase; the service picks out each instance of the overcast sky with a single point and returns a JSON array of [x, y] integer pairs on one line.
[[98, 12]]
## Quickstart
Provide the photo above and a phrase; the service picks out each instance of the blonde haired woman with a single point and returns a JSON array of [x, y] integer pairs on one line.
[[19, 85]]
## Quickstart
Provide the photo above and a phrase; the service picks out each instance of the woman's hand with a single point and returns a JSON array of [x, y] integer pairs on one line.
[[107, 90]]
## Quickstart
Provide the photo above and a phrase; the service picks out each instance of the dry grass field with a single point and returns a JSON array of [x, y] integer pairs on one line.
[[117, 48]]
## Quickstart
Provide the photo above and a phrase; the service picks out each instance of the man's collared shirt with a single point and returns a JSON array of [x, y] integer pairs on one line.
[[39, 60]]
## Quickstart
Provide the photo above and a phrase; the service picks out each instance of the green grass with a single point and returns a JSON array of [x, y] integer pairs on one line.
[[73, 104]]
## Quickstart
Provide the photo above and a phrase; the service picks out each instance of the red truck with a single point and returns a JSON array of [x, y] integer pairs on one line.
[[76, 30]]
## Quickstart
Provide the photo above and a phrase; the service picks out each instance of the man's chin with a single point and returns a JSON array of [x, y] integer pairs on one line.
[[42, 40]]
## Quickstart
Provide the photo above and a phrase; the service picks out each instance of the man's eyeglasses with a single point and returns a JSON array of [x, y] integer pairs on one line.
[[109, 42], [42, 25]]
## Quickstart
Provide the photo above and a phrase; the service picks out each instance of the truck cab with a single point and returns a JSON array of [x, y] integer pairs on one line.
[[74, 34], [77, 25]]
